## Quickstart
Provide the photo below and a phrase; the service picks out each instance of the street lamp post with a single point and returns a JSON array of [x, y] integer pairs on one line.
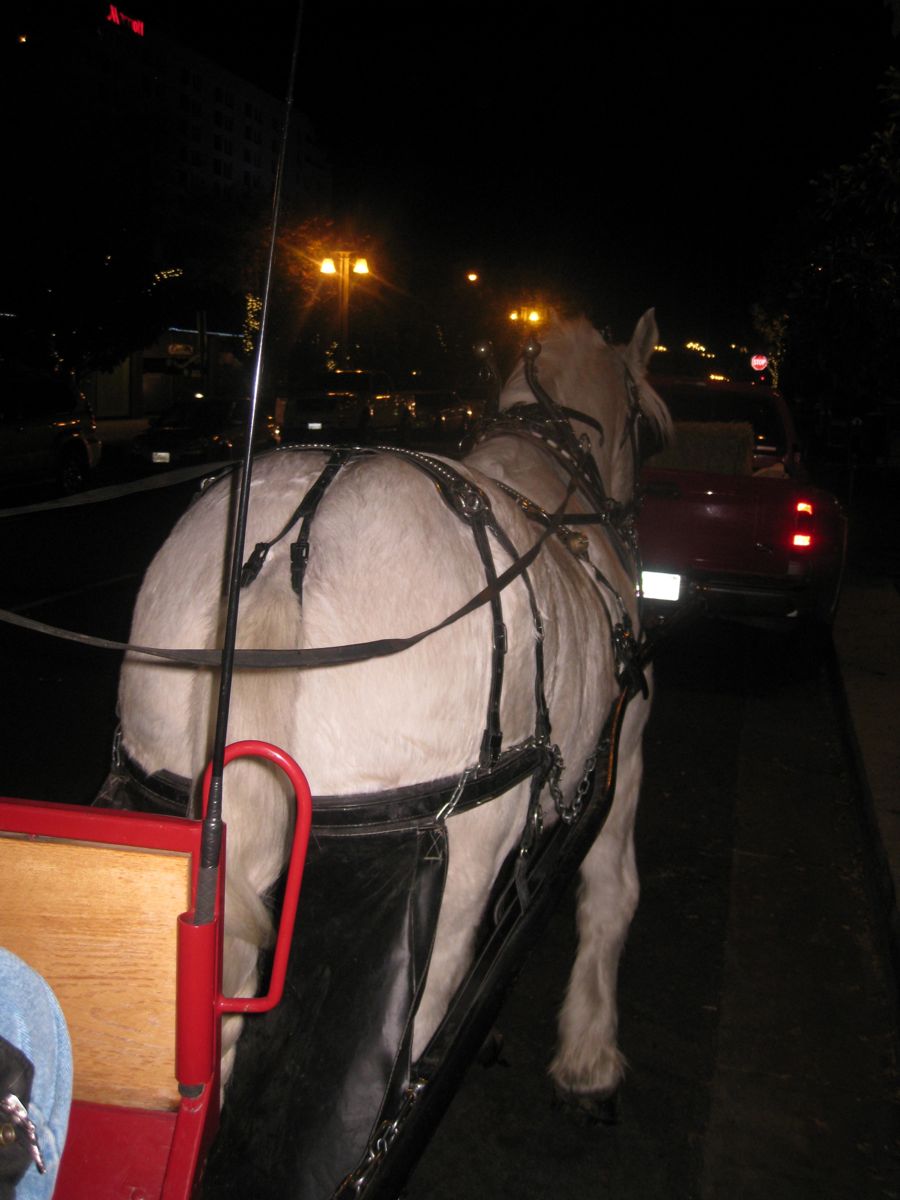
[[342, 263]]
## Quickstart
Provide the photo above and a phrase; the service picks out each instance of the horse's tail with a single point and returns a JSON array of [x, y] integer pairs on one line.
[[257, 803]]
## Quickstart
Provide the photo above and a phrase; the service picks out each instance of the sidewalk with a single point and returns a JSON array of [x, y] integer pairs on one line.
[[867, 644]]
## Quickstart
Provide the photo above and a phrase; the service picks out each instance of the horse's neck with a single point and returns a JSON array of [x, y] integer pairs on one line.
[[526, 466]]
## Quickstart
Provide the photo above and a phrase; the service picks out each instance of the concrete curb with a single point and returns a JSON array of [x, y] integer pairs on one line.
[[867, 653]]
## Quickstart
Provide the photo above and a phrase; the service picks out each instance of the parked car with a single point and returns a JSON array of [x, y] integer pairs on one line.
[[347, 404], [202, 431], [729, 515], [48, 434], [439, 414]]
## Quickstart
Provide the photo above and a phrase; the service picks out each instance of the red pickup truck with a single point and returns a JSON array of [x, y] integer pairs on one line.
[[729, 516]]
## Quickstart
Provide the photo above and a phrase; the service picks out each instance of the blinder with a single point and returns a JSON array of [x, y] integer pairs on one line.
[[649, 438], [646, 439]]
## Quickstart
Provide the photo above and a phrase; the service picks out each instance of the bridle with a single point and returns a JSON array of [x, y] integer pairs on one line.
[[548, 425]]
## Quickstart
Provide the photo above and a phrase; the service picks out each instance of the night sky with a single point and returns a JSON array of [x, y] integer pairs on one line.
[[646, 154]]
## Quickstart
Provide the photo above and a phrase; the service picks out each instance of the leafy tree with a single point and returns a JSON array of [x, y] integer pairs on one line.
[[842, 336], [772, 327]]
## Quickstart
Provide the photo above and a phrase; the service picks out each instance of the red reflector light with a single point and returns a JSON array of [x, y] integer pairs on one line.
[[802, 536]]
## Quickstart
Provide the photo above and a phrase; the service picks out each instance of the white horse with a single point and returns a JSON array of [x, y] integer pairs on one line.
[[388, 559]]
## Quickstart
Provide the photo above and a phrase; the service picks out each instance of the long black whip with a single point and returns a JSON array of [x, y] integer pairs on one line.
[[211, 838]]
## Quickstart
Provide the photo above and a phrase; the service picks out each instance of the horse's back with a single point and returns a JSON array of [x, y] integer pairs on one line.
[[386, 558]]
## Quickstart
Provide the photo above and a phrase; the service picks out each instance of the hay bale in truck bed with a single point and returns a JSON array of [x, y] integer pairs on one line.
[[716, 447]]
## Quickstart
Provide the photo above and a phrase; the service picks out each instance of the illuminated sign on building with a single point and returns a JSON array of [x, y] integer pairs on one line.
[[118, 18]]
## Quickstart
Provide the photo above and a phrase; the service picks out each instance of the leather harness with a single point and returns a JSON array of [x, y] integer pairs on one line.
[[497, 769]]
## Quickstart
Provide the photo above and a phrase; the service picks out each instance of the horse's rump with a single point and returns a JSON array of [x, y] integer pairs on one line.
[[387, 558]]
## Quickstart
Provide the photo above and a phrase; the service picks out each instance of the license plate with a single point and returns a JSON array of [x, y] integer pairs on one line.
[[314, 425], [161, 456], [658, 585]]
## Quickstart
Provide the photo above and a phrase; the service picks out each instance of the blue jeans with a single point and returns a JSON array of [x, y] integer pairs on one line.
[[31, 1020]]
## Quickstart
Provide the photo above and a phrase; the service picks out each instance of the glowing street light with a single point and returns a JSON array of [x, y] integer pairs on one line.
[[345, 264], [527, 315]]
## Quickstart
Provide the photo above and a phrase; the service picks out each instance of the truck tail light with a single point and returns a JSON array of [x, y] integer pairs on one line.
[[802, 538]]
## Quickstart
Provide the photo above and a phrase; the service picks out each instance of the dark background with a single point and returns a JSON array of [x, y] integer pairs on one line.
[[736, 168], [631, 155]]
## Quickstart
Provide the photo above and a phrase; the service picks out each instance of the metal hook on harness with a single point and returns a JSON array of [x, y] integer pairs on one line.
[[451, 804], [628, 656]]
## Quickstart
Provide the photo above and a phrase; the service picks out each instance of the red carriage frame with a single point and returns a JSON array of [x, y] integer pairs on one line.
[[122, 1152]]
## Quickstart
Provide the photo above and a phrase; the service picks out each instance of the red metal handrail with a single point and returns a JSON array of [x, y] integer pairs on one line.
[[231, 1004]]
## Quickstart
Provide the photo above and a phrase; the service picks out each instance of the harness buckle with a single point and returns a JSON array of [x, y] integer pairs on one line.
[[451, 804], [470, 500], [534, 827], [299, 562], [627, 654], [491, 745], [575, 542], [254, 563]]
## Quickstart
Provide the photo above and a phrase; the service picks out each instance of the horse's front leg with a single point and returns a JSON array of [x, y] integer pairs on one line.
[[588, 1065]]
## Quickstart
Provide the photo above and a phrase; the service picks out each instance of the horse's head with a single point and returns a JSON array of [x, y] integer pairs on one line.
[[602, 390]]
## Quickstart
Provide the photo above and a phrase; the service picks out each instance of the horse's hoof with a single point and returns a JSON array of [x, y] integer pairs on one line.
[[491, 1050], [593, 1108]]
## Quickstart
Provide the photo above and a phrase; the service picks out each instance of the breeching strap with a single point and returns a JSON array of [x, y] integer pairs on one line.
[[305, 511]]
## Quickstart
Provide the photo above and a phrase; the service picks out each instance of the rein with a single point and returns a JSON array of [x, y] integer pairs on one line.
[[319, 656]]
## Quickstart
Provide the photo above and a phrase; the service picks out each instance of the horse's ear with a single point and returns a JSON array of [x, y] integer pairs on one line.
[[643, 342]]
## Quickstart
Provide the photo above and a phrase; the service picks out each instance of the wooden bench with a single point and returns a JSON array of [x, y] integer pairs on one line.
[[116, 987]]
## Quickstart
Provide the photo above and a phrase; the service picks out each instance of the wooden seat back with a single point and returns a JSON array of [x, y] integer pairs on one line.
[[99, 921]]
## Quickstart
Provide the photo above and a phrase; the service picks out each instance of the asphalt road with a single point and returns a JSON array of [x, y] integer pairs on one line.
[[758, 1011], [77, 568]]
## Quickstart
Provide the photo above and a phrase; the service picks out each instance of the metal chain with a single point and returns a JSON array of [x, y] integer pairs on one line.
[[569, 813]]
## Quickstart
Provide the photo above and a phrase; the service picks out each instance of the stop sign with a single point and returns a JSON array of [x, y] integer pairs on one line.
[[758, 362]]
